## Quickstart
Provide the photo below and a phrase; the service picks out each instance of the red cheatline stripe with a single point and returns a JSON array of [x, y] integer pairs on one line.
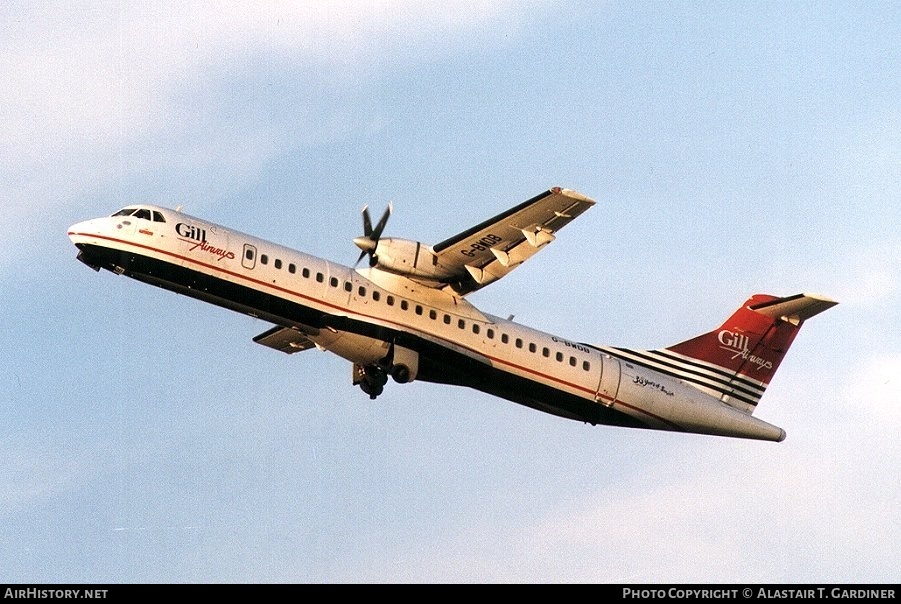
[[501, 361]]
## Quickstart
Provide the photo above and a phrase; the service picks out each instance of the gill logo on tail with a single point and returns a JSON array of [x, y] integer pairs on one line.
[[737, 345]]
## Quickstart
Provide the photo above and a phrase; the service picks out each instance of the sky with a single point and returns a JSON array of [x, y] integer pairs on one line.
[[733, 148]]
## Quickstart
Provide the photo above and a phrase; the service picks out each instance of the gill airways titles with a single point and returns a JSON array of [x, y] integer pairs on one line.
[[197, 236], [737, 344]]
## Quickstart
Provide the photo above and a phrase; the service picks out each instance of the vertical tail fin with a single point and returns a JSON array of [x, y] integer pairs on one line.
[[736, 362], [744, 353]]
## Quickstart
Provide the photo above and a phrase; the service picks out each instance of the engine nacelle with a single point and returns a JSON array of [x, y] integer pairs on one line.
[[408, 257]]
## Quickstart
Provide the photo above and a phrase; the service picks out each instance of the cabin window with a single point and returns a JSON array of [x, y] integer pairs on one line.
[[586, 365], [264, 259], [348, 286], [505, 338], [519, 342], [461, 323], [320, 277], [532, 347], [475, 328], [376, 296], [559, 357], [158, 216], [248, 253], [404, 305], [418, 309], [361, 291], [333, 281], [545, 352], [292, 268], [490, 333], [447, 319], [433, 314], [278, 263], [390, 300], [306, 273], [572, 361]]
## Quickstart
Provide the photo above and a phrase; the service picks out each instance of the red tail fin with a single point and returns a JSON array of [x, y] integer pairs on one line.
[[737, 361]]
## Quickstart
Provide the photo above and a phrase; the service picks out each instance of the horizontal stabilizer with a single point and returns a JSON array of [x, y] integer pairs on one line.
[[285, 339], [794, 309]]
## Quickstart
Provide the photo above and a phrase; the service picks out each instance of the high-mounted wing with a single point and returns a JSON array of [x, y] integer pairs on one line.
[[490, 250]]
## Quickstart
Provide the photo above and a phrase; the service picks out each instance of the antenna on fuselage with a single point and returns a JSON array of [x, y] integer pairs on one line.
[[179, 208]]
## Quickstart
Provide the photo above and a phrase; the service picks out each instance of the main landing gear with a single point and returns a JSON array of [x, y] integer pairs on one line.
[[371, 379], [402, 364]]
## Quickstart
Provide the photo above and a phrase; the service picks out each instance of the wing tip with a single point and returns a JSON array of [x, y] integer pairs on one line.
[[573, 194]]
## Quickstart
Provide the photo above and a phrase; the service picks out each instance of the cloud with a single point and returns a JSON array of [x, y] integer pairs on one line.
[[87, 85], [80, 73], [731, 512]]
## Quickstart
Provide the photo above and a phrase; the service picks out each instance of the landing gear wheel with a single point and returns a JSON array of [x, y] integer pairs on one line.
[[373, 390], [373, 380]]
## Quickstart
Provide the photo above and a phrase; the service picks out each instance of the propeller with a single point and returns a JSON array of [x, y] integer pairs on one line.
[[370, 239]]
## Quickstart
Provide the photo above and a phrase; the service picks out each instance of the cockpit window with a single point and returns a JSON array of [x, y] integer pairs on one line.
[[144, 213]]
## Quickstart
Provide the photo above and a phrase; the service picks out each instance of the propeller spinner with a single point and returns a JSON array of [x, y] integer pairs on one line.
[[370, 239]]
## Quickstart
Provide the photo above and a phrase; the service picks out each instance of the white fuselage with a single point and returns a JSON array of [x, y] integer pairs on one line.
[[362, 315]]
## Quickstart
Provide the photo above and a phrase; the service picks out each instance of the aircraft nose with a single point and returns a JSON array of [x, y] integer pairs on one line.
[[79, 228], [86, 230], [82, 234]]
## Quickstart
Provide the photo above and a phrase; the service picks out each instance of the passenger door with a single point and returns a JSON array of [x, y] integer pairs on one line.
[[608, 386]]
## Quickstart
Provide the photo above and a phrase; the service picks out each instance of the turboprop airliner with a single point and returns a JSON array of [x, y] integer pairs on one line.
[[406, 315]]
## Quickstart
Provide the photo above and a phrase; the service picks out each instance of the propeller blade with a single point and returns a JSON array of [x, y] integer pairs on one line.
[[377, 233], [367, 222], [370, 239]]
